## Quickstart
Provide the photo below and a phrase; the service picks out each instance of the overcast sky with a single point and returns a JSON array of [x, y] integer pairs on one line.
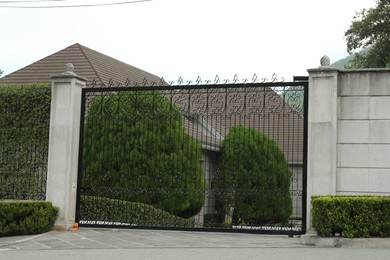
[[172, 38]]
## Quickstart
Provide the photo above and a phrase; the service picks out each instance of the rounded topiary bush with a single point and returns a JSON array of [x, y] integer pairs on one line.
[[136, 149], [253, 179]]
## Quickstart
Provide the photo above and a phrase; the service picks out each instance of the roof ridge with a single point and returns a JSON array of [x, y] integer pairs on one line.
[[89, 61], [95, 66]]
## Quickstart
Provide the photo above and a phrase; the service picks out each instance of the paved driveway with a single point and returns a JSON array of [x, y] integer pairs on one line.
[[89, 238], [90, 243]]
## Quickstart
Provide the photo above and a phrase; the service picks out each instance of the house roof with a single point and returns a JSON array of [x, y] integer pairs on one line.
[[285, 126], [88, 63]]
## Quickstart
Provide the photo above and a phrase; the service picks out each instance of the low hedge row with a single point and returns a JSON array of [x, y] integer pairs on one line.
[[134, 213], [351, 216], [26, 217]]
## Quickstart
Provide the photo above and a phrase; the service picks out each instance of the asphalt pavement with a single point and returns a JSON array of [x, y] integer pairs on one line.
[[93, 243]]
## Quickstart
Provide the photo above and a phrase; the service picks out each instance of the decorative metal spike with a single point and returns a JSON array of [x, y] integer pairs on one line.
[[110, 83], [274, 78], [94, 83], [216, 80], [198, 80], [162, 81], [254, 78], [180, 81], [127, 82], [235, 78], [144, 82]]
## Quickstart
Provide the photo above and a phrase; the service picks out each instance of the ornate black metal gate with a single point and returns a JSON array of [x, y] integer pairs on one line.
[[228, 157]]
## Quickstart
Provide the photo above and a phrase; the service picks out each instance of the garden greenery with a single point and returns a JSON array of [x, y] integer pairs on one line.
[[136, 149], [128, 213], [351, 216], [253, 180], [24, 137], [26, 217]]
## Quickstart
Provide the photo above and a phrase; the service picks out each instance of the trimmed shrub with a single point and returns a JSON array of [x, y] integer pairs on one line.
[[132, 213], [215, 221], [24, 138], [351, 216], [137, 150], [253, 179], [26, 217]]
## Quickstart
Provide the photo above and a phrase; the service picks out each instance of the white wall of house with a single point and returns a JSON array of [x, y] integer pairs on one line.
[[296, 188], [209, 163], [348, 133]]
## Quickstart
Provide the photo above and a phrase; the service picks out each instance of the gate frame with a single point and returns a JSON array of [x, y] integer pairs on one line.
[[298, 81]]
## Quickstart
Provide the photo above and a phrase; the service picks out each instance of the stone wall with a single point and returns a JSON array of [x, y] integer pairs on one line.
[[363, 132], [348, 133]]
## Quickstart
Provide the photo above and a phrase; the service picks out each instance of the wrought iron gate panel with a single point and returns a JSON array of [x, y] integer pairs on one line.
[[158, 157]]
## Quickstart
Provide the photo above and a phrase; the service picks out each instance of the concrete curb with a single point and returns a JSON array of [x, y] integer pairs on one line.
[[317, 241]]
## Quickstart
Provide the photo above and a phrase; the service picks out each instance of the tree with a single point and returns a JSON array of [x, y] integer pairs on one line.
[[136, 149], [253, 180], [369, 37]]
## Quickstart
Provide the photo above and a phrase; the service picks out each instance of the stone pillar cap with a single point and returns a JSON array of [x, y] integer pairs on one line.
[[68, 73]]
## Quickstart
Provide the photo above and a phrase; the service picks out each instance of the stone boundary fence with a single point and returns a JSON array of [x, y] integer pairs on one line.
[[348, 136], [348, 133]]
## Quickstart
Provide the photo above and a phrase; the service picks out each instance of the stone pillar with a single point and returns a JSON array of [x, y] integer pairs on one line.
[[64, 145], [322, 133]]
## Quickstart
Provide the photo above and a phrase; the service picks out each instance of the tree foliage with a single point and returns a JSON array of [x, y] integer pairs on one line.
[[369, 37], [136, 149], [253, 179]]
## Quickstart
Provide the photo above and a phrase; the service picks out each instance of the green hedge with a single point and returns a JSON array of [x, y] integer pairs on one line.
[[134, 213], [26, 217], [351, 216], [24, 138]]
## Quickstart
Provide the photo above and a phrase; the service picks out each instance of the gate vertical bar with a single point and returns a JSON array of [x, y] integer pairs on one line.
[[305, 143], [81, 147]]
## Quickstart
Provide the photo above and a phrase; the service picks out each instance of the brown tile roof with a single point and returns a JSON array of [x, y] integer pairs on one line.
[[87, 63], [285, 126]]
